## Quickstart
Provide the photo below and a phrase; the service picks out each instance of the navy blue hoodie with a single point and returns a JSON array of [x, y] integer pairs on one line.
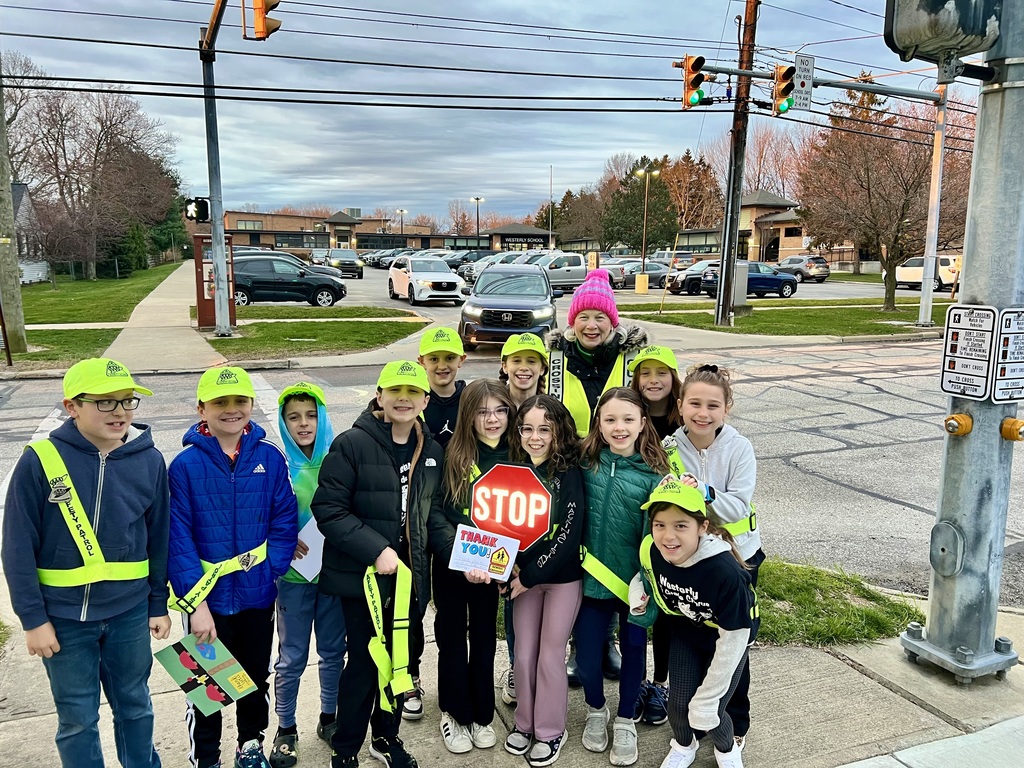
[[127, 493]]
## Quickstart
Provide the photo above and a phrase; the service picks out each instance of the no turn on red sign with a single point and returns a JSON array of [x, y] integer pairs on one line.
[[512, 501]]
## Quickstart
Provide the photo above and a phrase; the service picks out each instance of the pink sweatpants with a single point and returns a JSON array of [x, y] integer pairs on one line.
[[543, 617]]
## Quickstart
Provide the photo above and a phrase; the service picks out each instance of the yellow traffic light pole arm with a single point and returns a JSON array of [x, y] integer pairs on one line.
[[210, 33]]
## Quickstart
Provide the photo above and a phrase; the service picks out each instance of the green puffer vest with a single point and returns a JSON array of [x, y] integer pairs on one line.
[[615, 523]]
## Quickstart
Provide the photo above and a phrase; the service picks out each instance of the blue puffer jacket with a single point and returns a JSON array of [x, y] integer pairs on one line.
[[218, 512]]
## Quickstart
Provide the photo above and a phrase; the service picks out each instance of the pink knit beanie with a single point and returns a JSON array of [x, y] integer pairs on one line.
[[596, 294]]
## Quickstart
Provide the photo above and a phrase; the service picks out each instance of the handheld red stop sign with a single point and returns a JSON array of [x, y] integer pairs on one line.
[[512, 501]]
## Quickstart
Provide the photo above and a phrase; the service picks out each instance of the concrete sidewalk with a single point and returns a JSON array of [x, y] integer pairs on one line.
[[159, 335]]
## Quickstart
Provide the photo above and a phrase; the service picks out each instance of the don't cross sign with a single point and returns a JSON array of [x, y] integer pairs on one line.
[[512, 501]]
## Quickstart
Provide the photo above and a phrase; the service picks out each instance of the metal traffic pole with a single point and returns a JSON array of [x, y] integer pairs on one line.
[[931, 258], [968, 537]]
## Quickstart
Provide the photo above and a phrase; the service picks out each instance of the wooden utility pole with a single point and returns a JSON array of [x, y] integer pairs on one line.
[[10, 275], [734, 193]]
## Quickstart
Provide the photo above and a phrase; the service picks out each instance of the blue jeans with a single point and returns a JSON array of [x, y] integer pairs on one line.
[[591, 633], [116, 654], [301, 608]]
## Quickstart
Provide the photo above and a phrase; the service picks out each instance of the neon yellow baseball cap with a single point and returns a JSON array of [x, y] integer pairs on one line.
[[524, 342], [674, 491], [663, 355], [303, 388], [403, 372], [221, 382], [99, 376], [441, 340]]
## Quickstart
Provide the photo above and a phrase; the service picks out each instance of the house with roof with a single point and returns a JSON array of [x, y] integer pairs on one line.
[[28, 237]]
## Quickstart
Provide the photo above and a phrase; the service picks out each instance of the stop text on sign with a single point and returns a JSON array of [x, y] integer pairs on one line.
[[505, 507], [512, 501]]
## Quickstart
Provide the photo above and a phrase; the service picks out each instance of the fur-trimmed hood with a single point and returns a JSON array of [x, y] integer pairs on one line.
[[623, 338]]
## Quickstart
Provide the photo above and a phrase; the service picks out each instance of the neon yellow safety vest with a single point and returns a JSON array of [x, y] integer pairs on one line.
[[393, 676], [675, 463], [212, 573], [62, 493], [605, 576], [566, 387], [648, 569], [474, 474]]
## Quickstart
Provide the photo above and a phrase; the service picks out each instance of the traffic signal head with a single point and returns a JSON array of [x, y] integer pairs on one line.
[[782, 88], [197, 209], [693, 78], [264, 27]]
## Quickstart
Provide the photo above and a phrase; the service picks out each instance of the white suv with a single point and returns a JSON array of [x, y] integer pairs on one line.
[[911, 272], [418, 278]]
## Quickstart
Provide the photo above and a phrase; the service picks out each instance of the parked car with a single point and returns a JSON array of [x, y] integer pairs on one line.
[[508, 299], [616, 273], [657, 274], [322, 270], [384, 262], [346, 260], [911, 272], [806, 267], [761, 280], [679, 259], [503, 257], [423, 278], [564, 270], [273, 278], [688, 281], [459, 258]]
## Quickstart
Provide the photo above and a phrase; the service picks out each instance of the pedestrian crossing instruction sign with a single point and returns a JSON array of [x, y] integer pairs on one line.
[[967, 351]]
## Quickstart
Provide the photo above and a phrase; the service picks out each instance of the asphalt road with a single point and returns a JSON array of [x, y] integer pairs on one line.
[[848, 438]]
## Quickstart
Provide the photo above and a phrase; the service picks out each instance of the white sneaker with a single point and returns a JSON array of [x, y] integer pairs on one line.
[[624, 751], [731, 759], [508, 690], [740, 742], [482, 736], [595, 730], [456, 737], [680, 757]]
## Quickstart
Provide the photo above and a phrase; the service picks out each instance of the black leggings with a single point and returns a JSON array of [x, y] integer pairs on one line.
[[687, 668]]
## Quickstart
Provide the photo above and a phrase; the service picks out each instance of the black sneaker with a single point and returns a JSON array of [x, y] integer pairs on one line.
[[391, 751], [337, 761]]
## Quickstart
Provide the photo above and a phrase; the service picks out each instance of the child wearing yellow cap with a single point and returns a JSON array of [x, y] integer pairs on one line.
[[378, 504], [85, 557], [441, 355], [524, 364], [656, 379], [231, 505]]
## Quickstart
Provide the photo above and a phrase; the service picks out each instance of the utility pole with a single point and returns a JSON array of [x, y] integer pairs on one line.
[[10, 276], [931, 241], [969, 534], [207, 55], [733, 195]]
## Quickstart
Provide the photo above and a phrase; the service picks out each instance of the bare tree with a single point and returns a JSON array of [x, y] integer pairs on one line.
[[769, 164], [460, 220], [251, 208], [312, 210], [426, 220]]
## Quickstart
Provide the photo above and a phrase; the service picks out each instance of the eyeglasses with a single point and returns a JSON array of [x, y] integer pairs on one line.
[[501, 412], [106, 406], [527, 431]]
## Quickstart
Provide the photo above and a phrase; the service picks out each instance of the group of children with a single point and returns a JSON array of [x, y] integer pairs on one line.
[[653, 502]]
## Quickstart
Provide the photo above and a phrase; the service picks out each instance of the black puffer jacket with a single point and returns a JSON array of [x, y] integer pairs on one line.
[[358, 505]]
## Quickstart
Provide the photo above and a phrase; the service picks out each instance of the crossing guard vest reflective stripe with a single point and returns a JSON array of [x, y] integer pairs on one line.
[[566, 387], [62, 493], [211, 575], [675, 463]]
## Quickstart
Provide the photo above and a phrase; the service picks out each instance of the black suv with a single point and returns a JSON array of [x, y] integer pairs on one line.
[[507, 299], [274, 278], [459, 258]]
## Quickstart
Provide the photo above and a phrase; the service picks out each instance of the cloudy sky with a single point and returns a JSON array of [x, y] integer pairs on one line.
[[419, 158]]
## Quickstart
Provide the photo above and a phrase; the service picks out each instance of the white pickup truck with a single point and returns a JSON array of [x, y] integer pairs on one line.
[[564, 270]]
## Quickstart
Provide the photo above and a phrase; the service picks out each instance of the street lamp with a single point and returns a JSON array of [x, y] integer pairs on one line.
[[401, 213], [477, 200], [646, 173]]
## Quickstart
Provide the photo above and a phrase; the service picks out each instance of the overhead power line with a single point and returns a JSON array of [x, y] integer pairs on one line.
[[788, 117], [816, 18]]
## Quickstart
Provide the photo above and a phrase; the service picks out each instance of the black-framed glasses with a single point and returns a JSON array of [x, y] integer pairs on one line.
[[500, 412], [106, 406], [528, 431]]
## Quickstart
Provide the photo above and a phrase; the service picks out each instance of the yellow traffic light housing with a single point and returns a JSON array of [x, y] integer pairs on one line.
[[782, 89], [693, 78], [264, 27]]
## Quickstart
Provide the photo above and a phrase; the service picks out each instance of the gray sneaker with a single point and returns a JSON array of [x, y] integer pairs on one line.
[[595, 731], [624, 751]]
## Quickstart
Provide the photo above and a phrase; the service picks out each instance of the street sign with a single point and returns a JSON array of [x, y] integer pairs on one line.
[[1009, 364], [967, 351], [803, 82], [512, 501]]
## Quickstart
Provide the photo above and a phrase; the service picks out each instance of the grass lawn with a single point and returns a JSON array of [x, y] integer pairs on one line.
[[849, 277], [267, 340], [810, 606], [299, 312], [91, 301], [834, 321], [64, 348], [770, 303]]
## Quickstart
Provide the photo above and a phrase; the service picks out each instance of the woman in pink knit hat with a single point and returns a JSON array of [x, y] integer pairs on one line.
[[593, 353]]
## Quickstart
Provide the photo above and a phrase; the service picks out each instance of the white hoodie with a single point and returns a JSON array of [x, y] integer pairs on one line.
[[729, 467]]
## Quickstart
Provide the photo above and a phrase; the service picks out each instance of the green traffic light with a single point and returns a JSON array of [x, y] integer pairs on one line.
[[783, 106], [696, 98]]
